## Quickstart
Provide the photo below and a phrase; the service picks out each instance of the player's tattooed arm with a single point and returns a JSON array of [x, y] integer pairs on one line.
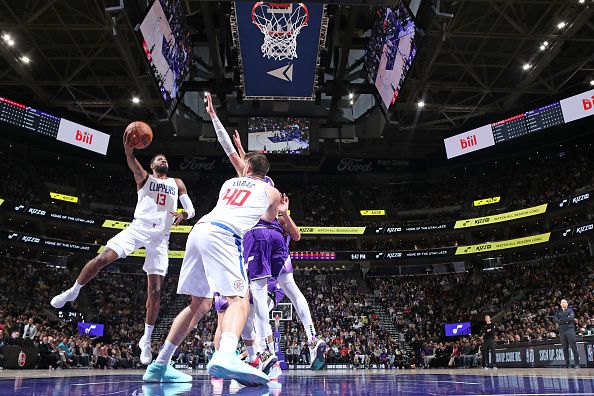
[[140, 174]]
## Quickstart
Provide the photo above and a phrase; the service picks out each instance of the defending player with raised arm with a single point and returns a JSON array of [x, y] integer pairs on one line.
[[266, 252], [156, 212]]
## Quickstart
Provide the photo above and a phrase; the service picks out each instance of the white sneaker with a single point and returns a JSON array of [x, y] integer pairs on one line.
[[267, 360], [61, 299], [228, 366], [146, 353], [275, 371]]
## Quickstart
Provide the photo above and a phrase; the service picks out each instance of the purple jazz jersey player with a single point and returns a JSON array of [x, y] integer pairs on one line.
[[266, 250]]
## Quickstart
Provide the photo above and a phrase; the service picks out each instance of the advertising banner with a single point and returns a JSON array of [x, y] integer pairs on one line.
[[508, 216], [500, 245]]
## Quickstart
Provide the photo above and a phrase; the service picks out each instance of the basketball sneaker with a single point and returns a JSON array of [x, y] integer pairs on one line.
[[228, 366], [267, 360], [61, 299], [275, 371], [255, 363], [317, 348], [163, 372], [146, 353]]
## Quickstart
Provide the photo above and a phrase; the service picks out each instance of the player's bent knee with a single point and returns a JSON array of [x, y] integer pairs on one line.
[[105, 257]]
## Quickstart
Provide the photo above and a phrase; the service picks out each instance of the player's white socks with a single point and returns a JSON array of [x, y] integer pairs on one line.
[[228, 342], [166, 352], [287, 283], [76, 288], [259, 288], [251, 351], [148, 331]]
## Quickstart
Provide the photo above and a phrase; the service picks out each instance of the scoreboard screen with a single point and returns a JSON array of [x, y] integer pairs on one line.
[[544, 117], [27, 117], [510, 128]]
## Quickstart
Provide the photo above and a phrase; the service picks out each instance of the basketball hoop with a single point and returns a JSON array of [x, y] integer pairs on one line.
[[280, 23]]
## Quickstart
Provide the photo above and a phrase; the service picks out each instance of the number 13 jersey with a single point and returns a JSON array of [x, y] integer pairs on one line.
[[242, 201], [156, 199]]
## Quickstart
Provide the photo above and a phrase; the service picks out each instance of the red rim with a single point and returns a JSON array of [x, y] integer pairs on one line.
[[279, 5]]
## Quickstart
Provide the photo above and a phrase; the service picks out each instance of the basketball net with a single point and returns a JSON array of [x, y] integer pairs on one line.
[[280, 23], [277, 319]]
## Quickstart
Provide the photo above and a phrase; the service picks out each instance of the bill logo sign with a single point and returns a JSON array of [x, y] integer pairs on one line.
[[487, 201], [279, 47], [578, 106], [470, 141], [508, 216], [500, 245]]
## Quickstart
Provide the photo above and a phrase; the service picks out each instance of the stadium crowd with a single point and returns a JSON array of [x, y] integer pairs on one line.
[[380, 321]]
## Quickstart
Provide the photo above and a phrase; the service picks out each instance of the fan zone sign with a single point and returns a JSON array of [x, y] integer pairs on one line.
[[279, 48]]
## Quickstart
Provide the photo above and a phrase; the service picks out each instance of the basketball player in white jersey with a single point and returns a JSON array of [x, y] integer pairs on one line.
[[155, 212], [214, 262]]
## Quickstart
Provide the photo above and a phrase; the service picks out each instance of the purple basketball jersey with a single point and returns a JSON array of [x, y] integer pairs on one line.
[[265, 250]]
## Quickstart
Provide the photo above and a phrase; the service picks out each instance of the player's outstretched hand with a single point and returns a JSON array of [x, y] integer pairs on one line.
[[209, 107], [238, 146], [284, 204], [179, 217], [128, 147]]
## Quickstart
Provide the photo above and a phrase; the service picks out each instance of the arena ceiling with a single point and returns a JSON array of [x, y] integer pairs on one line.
[[85, 60]]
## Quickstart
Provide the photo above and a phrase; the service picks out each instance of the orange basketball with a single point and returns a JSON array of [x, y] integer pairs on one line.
[[141, 134]]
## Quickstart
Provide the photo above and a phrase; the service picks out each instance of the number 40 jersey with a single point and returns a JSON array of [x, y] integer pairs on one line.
[[242, 201]]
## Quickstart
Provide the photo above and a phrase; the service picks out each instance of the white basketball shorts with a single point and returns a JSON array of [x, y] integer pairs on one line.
[[142, 234], [213, 262]]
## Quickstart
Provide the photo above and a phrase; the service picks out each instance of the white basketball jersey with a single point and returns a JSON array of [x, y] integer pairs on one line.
[[156, 199], [242, 201]]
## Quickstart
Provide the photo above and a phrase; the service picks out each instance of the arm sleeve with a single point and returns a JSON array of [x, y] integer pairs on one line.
[[187, 204], [223, 137]]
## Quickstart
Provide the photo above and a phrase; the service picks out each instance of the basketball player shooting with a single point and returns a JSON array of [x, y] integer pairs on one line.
[[156, 211], [214, 262]]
